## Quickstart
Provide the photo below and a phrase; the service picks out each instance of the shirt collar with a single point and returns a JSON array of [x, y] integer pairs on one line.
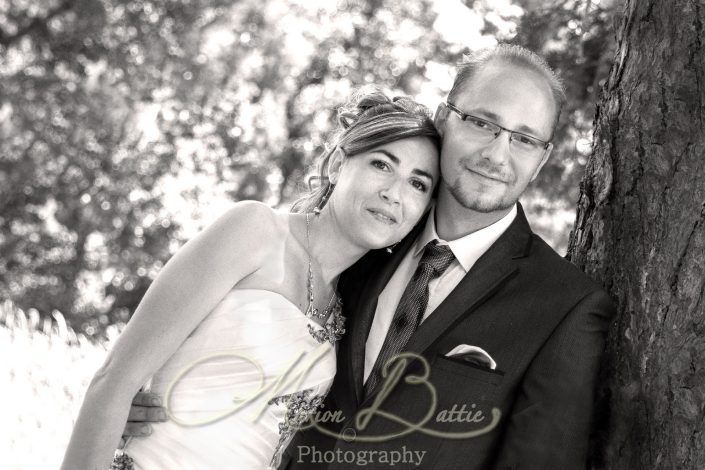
[[468, 249]]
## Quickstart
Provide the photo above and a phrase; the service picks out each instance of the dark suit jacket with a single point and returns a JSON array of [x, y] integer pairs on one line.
[[537, 315]]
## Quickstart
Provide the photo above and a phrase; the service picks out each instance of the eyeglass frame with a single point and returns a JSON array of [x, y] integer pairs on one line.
[[463, 117]]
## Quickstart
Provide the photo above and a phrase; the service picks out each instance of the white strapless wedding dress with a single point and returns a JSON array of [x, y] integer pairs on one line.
[[250, 340]]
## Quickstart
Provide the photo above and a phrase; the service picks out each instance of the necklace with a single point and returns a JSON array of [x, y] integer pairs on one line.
[[312, 312]]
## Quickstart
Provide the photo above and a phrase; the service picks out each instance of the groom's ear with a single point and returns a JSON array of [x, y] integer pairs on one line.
[[335, 164], [439, 119], [546, 154]]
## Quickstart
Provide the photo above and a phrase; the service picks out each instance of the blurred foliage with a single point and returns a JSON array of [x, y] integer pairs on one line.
[[121, 121], [43, 384], [577, 39]]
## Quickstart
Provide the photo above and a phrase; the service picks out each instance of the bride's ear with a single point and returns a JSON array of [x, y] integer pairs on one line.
[[335, 164]]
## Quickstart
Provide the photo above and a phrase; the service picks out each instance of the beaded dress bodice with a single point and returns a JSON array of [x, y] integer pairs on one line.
[[253, 340]]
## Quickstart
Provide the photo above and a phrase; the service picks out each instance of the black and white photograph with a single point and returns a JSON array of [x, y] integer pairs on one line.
[[352, 234]]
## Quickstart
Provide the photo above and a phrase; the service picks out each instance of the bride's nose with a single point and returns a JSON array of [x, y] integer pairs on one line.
[[391, 193]]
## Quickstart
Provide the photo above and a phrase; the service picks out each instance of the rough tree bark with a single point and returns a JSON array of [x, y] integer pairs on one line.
[[640, 228]]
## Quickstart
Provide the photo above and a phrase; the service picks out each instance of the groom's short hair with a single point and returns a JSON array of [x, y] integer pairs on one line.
[[513, 55]]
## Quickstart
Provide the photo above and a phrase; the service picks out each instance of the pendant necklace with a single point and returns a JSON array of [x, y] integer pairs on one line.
[[312, 312]]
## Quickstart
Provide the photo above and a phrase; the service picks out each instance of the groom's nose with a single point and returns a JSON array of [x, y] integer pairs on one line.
[[497, 150]]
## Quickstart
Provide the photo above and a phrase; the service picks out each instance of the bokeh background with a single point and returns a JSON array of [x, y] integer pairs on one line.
[[127, 126]]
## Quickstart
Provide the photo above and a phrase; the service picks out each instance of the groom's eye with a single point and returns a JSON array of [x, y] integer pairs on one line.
[[479, 123]]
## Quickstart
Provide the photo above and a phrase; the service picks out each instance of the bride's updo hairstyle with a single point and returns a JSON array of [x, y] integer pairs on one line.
[[368, 120]]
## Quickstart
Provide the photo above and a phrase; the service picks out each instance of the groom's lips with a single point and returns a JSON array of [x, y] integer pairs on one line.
[[486, 176]]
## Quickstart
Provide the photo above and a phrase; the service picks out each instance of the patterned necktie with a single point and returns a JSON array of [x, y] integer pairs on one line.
[[435, 260]]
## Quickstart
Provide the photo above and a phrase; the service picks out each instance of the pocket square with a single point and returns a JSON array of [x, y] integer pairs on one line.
[[473, 355]]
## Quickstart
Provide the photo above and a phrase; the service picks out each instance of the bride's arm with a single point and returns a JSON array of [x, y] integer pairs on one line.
[[194, 280]]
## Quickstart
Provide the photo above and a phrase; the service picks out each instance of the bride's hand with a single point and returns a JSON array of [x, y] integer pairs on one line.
[[146, 408]]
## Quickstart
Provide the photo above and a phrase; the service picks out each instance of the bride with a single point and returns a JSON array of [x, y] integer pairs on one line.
[[238, 331]]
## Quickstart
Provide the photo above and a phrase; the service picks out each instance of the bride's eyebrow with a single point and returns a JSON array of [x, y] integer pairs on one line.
[[418, 172], [389, 155]]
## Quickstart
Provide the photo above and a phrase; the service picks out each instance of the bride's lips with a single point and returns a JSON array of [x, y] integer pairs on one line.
[[382, 215]]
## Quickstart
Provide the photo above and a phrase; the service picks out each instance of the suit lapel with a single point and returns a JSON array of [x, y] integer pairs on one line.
[[496, 266], [487, 275], [367, 305]]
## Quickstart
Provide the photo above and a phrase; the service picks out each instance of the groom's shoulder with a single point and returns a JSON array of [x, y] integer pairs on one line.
[[555, 269], [370, 263], [354, 278], [557, 288]]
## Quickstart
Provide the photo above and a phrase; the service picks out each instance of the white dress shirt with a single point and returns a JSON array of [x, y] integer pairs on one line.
[[467, 250]]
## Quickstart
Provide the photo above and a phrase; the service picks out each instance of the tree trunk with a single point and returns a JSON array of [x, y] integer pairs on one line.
[[640, 228]]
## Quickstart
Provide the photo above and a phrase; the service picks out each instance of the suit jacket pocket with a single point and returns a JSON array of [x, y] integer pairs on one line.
[[468, 369]]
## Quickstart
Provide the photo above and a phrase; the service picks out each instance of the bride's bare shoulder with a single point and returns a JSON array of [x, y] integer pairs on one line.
[[252, 211], [255, 223]]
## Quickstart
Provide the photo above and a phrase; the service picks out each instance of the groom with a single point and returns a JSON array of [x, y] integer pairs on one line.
[[502, 337], [528, 326]]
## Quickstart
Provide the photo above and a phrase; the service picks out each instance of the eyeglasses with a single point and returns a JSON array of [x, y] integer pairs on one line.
[[486, 131]]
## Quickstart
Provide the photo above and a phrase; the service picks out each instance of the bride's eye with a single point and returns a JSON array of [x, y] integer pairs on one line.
[[420, 185], [380, 165]]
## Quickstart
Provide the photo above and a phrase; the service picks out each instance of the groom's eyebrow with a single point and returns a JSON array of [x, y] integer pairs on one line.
[[395, 159]]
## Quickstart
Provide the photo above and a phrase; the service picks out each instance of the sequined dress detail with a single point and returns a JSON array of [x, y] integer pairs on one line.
[[253, 339]]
